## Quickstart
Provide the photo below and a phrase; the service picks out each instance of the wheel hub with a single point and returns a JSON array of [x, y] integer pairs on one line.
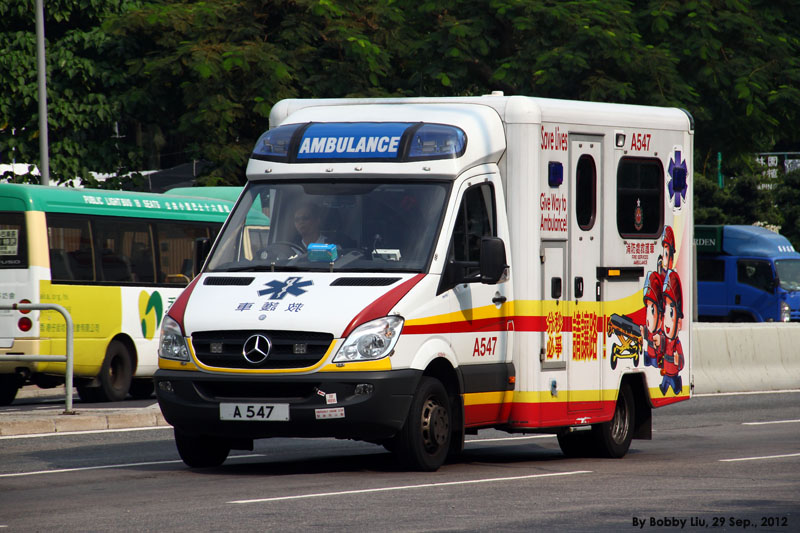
[[619, 427], [435, 425]]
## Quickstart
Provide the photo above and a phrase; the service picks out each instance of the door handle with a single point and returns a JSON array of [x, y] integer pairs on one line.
[[499, 300]]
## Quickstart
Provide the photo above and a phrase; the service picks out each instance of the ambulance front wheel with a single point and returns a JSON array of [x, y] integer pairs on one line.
[[424, 441], [198, 451], [613, 438]]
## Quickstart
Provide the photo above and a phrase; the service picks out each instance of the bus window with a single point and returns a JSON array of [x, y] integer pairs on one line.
[[126, 251], [13, 241], [70, 241], [176, 249]]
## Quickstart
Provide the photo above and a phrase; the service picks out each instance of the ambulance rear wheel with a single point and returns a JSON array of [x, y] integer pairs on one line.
[[199, 451], [424, 441], [613, 438]]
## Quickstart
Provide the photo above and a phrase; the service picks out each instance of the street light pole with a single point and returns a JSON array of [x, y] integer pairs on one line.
[[41, 71]]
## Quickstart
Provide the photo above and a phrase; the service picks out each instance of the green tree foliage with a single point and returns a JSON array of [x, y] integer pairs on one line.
[[747, 199], [81, 82], [204, 75], [742, 58]]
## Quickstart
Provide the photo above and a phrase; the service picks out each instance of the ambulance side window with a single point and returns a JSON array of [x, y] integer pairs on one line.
[[640, 198], [476, 219]]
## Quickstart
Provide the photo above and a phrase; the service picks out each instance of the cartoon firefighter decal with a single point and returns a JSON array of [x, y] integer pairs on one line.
[[650, 340], [652, 332], [667, 255], [673, 360]]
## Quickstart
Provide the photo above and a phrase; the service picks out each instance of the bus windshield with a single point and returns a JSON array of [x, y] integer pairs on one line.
[[333, 226], [788, 273]]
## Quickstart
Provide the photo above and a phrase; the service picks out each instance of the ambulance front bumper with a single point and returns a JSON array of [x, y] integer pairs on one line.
[[368, 406]]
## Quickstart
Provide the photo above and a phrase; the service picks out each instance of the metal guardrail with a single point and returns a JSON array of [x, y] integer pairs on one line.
[[68, 358]]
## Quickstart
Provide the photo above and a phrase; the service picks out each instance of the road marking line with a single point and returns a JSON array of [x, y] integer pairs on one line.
[[407, 487], [762, 457], [84, 432], [105, 467], [81, 469], [770, 422]]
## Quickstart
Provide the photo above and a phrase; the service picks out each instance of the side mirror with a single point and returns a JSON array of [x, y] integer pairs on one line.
[[493, 260], [202, 246]]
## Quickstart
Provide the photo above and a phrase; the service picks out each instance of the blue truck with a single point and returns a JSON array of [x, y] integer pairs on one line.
[[746, 274]]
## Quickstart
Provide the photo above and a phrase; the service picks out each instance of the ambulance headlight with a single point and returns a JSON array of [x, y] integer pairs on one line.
[[172, 344], [371, 341]]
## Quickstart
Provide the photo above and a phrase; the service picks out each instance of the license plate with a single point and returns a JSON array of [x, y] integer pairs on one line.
[[254, 411]]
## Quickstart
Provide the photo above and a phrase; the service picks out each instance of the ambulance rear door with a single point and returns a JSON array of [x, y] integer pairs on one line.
[[585, 245]]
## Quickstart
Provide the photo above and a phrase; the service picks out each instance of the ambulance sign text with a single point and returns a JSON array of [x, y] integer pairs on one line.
[[554, 212], [351, 141]]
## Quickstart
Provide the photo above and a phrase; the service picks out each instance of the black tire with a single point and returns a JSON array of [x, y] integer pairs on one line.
[[613, 438], [579, 443], [199, 451], [424, 441], [9, 385], [613, 358], [116, 373], [142, 389]]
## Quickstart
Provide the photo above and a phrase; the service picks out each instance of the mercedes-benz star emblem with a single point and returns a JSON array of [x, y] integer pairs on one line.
[[256, 349]]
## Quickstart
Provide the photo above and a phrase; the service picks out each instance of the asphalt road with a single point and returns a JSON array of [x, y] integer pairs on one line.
[[728, 463]]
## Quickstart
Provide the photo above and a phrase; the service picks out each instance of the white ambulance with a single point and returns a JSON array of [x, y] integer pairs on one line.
[[435, 266]]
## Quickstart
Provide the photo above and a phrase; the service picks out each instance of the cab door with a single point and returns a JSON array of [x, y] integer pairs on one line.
[[479, 314], [585, 245]]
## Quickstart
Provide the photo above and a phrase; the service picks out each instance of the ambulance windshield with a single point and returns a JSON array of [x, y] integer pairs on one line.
[[332, 226]]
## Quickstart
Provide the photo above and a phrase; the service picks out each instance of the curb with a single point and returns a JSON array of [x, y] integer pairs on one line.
[[56, 421]]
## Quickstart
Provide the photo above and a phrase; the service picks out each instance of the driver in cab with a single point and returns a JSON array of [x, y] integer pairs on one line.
[[307, 223]]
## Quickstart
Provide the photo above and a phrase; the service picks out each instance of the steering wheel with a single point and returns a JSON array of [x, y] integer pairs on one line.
[[280, 251]]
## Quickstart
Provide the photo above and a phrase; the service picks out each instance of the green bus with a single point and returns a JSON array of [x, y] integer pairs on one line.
[[116, 261]]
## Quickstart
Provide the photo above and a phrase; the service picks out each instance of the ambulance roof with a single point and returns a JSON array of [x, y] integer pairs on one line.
[[521, 110], [481, 118]]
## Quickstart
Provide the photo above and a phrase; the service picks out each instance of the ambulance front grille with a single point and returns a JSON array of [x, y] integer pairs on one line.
[[287, 349]]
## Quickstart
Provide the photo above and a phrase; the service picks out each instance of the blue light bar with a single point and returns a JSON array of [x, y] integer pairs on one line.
[[360, 141], [437, 141], [274, 144]]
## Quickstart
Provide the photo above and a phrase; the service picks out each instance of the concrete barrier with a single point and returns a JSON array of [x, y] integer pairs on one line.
[[745, 357]]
